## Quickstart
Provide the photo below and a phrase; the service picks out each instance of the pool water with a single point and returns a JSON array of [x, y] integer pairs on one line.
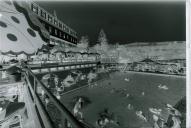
[[102, 96]]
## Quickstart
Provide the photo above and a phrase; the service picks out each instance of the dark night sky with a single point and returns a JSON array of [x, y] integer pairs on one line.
[[123, 21]]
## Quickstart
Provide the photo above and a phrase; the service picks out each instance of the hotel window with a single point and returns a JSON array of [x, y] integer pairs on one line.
[[50, 29], [60, 25], [34, 8], [60, 34], [44, 25], [50, 18], [43, 14], [55, 32], [55, 22]]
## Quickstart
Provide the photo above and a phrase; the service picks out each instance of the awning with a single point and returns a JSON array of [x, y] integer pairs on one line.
[[17, 36]]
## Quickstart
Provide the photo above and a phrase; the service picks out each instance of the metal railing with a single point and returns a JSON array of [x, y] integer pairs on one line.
[[66, 115]]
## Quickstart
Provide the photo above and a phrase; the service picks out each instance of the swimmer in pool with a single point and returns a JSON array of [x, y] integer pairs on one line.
[[155, 119], [127, 95], [103, 122], [141, 115], [129, 107], [106, 117]]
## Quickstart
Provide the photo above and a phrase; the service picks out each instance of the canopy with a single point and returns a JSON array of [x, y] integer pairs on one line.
[[57, 49], [76, 50], [17, 36], [48, 76], [92, 51], [147, 60]]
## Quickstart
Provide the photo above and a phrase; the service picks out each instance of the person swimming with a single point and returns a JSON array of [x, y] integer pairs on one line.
[[106, 118], [155, 119], [158, 122], [127, 95], [129, 106], [103, 122], [141, 115], [164, 87], [127, 79], [155, 111]]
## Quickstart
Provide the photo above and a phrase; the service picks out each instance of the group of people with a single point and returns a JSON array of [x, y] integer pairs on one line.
[[91, 79], [172, 122], [57, 86], [106, 118]]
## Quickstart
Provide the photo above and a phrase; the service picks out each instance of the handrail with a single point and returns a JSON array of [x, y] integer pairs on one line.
[[66, 114], [60, 65], [47, 121]]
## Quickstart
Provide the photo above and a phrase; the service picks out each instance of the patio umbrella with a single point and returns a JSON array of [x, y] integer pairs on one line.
[[14, 61], [13, 69], [48, 79], [47, 76], [45, 49], [57, 49], [17, 36]]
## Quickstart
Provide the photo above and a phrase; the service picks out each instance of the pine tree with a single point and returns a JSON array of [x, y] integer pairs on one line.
[[102, 40]]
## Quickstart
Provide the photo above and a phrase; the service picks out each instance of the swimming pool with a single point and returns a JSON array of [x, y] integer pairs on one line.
[[112, 93]]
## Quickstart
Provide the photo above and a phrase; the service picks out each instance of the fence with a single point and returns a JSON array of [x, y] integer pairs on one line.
[[66, 117]]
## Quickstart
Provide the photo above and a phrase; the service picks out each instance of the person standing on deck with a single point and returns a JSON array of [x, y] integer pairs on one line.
[[91, 76], [158, 122], [174, 117], [77, 109]]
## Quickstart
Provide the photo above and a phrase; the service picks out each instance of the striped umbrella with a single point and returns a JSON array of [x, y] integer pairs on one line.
[[17, 36]]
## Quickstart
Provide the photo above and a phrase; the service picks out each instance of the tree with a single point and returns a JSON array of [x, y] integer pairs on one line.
[[97, 47], [102, 40], [84, 42]]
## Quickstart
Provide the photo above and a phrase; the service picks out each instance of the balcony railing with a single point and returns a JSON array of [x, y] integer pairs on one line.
[[66, 117]]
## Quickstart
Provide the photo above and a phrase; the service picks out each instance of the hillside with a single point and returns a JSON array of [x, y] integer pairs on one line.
[[158, 50]]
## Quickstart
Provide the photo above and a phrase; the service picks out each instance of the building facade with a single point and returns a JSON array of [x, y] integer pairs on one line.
[[60, 33]]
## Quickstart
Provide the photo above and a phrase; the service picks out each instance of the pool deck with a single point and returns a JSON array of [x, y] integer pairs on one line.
[[157, 74]]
